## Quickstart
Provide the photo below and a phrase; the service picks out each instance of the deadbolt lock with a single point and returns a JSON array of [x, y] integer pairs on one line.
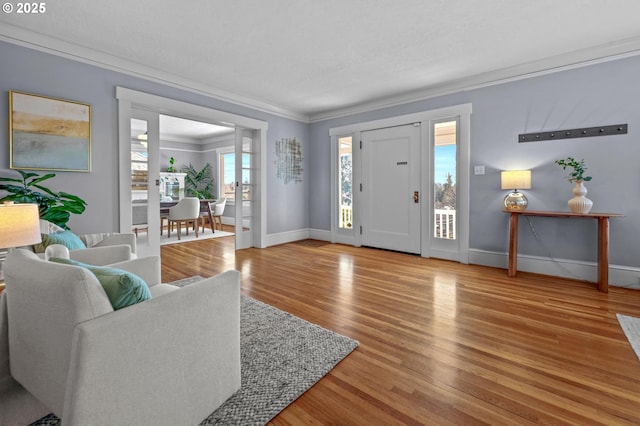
[[416, 196]]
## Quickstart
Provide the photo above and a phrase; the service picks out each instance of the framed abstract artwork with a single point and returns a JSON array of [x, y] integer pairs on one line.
[[289, 160], [48, 133]]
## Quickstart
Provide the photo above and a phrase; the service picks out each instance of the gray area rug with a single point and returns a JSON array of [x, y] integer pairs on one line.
[[631, 328], [282, 357]]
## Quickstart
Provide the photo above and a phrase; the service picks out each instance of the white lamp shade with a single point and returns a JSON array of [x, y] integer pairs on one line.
[[19, 225], [516, 179]]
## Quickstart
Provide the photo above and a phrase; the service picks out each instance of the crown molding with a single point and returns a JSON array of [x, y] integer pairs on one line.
[[32, 40], [572, 60]]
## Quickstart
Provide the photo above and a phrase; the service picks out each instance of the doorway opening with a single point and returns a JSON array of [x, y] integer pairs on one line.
[[438, 162], [172, 151], [187, 166]]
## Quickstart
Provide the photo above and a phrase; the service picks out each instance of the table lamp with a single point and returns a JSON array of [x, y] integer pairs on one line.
[[514, 180], [19, 226]]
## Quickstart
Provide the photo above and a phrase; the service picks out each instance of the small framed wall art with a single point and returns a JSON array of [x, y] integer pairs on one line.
[[48, 133]]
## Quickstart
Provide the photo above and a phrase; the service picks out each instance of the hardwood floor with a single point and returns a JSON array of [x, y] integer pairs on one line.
[[440, 343]]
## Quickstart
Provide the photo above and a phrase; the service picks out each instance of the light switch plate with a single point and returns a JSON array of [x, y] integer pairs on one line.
[[478, 170]]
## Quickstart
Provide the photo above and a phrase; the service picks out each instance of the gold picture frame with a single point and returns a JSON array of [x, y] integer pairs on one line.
[[48, 133]]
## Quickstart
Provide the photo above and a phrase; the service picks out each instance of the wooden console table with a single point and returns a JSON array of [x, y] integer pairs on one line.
[[603, 240]]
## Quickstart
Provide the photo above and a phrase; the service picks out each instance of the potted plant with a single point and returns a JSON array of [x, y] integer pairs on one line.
[[171, 168], [579, 203], [198, 183], [55, 207]]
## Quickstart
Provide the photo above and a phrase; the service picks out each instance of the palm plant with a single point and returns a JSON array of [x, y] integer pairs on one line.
[[198, 183], [55, 207]]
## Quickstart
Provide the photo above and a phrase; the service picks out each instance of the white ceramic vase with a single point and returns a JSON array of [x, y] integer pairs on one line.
[[579, 203]]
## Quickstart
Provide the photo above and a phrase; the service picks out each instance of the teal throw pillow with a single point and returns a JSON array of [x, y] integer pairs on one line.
[[66, 238], [122, 287]]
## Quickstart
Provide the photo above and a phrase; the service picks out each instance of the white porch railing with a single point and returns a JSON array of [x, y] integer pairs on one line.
[[444, 223], [346, 217]]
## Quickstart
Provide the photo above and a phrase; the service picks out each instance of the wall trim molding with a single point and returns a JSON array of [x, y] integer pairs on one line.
[[298, 235], [572, 60], [619, 276], [322, 235], [25, 38], [287, 237]]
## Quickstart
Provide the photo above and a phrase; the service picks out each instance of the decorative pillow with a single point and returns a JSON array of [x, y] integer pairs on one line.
[[66, 238], [122, 287]]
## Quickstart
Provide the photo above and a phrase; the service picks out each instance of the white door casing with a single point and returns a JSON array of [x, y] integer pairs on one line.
[[129, 99], [462, 113]]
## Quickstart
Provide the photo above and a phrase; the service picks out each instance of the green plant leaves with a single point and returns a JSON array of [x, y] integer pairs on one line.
[[578, 169], [56, 207], [198, 183]]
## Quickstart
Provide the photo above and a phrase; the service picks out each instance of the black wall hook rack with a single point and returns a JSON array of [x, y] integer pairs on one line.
[[616, 129]]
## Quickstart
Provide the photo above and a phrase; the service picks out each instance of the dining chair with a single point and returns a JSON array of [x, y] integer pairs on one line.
[[188, 211], [217, 208], [205, 215]]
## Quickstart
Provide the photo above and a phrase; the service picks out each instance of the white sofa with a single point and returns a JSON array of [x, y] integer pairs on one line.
[[171, 360]]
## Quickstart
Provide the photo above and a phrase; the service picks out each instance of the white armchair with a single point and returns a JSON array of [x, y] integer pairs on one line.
[[166, 361], [102, 248]]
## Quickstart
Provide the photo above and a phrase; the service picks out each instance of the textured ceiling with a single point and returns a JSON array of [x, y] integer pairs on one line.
[[316, 58]]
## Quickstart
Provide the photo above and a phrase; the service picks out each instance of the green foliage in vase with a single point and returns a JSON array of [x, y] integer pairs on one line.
[[577, 169], [56, 207], [198, 183], [171, 168]]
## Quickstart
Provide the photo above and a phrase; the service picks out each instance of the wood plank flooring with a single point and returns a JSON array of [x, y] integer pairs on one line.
[[440, 343]]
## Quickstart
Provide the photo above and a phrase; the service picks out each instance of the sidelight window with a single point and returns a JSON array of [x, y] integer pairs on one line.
[[444, 179], [345, 148]]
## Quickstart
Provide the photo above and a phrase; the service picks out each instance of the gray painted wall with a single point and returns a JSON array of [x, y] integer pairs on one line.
[[596, 95], [184, 154], [31, 71]]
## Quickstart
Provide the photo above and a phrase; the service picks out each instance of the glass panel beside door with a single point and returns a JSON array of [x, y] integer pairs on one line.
[[444, 180], [345, 188], [245, 188], [145, 194], [139, 175]]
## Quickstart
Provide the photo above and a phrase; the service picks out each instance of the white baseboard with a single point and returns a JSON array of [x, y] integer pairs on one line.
[[320, 234], [300, 234], [619, 276], [287, 237]]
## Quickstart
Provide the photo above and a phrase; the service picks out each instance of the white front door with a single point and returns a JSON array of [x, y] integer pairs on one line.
[[391, 188]]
